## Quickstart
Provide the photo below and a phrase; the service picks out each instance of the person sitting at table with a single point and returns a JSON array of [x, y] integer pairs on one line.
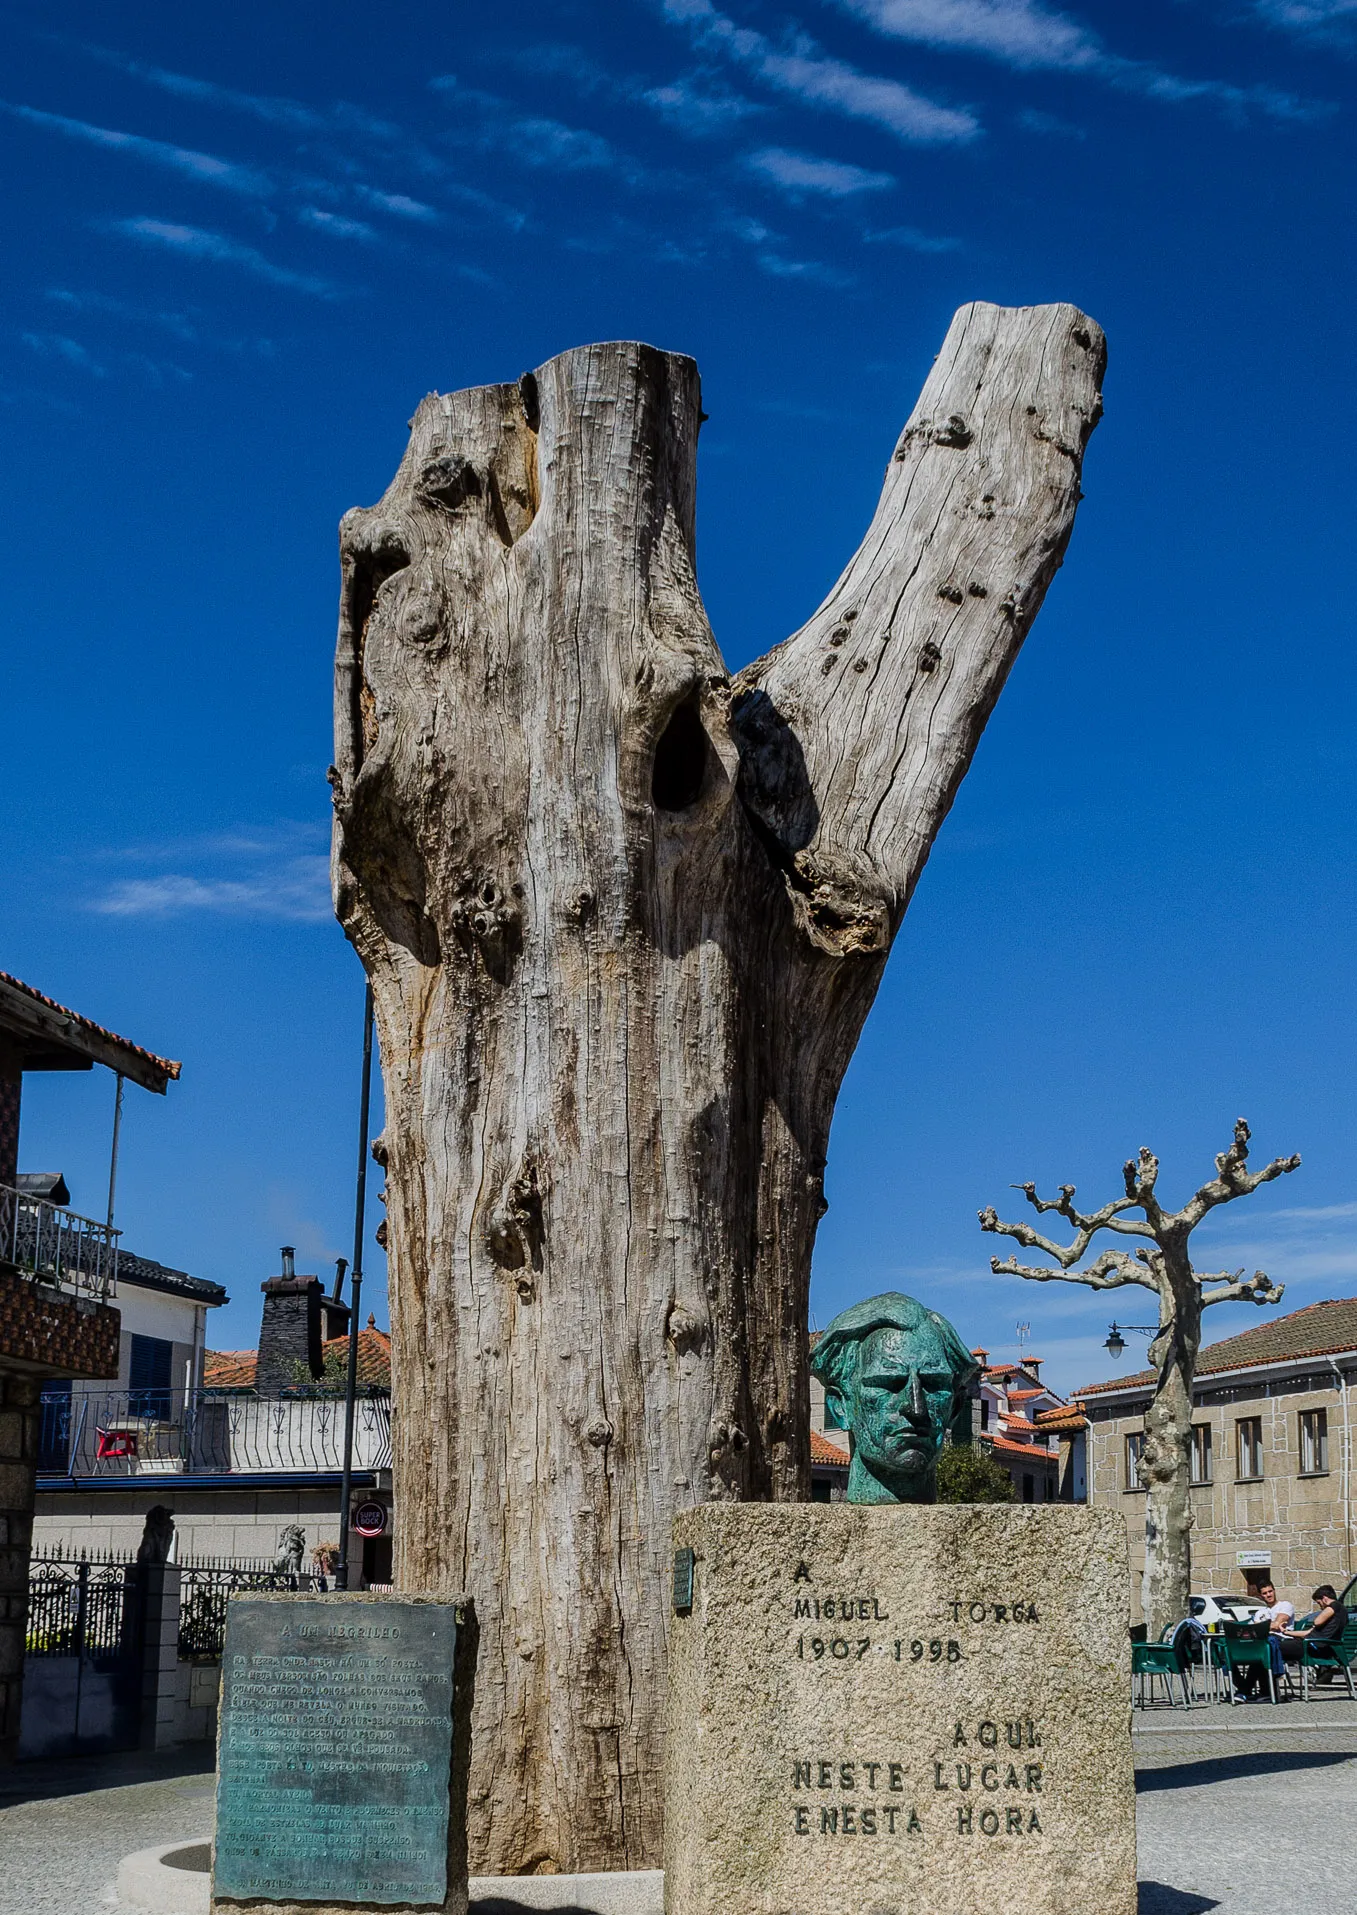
[[1280, 1615], [1329, 1622]]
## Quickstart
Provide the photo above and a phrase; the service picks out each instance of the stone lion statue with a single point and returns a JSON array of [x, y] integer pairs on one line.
[[291, 1551]]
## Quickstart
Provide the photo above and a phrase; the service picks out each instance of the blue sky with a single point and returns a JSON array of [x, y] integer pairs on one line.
[[241, 245]]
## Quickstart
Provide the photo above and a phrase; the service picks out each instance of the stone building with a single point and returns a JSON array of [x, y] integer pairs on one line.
[[1271, 1454], [249, 1443], [58, 1274], [1013, 1410]]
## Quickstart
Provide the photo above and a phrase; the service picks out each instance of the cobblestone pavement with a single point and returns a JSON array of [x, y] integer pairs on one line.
[[1246, 1810], [65, 1826], [1239, 1812]]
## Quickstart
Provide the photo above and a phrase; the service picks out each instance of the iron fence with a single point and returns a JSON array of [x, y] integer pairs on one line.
[[54, 1245], [203, 1595], [80, 1606], [138, 1433], [89, 1604]]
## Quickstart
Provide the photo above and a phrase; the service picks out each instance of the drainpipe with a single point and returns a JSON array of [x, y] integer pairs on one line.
[[1347, 1467]]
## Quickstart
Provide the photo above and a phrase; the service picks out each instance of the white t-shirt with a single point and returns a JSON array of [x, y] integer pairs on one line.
[[1283, 1612]]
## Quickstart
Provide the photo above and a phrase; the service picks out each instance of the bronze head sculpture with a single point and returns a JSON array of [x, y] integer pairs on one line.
[[898, 1378]]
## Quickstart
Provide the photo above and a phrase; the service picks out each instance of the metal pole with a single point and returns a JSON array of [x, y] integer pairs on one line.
[[113, 1157], [355, 1296]]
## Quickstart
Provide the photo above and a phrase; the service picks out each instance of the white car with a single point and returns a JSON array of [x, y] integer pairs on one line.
[[1210, 1611]]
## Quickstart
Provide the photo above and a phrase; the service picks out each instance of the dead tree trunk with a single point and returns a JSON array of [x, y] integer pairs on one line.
[[624, 917]]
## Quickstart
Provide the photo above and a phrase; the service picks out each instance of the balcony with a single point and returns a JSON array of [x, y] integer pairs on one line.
[[58, 1247], [131, 1434]]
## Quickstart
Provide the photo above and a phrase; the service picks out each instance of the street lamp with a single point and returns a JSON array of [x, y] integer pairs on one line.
[[1115, 1342]]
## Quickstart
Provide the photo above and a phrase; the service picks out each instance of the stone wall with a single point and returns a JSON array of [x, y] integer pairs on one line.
[[1303, 1522], [18, 1459], [239, 1522]]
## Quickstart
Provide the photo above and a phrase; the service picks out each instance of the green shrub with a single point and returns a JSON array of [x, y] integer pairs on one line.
[[969, 1474]]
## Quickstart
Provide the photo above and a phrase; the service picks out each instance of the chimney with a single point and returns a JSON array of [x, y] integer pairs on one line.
[[334, 1315], [289, 1333]]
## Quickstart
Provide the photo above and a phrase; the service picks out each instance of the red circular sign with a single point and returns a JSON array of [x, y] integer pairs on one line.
[[369, 1519]]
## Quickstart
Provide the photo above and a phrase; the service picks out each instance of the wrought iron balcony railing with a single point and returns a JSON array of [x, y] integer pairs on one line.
[[58, 1246], [138, 1433]]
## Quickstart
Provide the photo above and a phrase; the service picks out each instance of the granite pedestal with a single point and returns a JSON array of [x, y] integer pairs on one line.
[[899, 1710]]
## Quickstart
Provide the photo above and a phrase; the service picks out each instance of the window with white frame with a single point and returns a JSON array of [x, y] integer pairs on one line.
[[1200, 1454], [1314, 1442], [1249, 1439], [1135, 1449]]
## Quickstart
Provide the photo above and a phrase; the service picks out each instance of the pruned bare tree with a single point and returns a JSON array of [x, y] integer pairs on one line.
[[624, 915], [1161, 1264]]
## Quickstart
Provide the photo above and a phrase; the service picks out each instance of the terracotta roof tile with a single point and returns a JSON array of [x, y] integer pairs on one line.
[[166, 1067], [1068, 1418], [823, 1451], [1320, 1329], [235, 1369], [229, 1369], [1032, 1451]]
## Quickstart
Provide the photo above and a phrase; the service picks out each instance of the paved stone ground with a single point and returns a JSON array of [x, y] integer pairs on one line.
[[1240, 1812]]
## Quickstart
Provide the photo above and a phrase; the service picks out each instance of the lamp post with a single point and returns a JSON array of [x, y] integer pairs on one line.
[[355, 1296]]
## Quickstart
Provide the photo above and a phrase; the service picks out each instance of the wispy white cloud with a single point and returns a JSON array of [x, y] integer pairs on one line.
[[488, 121], [1019, 32], [276, 871], [913, 240], [195, 242], [1306, 13], [56, 345], [797, 174], [399, 205], [205, 168], [699, 110], [812, 271], [299, 893], [1028, 36], [799, 67], [336, 225], [177, 323]]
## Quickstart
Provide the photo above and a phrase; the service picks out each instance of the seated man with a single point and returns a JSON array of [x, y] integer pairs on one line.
[[1280, 1616], [1330, 1620]]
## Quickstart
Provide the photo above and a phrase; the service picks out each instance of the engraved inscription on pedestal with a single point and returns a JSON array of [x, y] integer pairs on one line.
[[335, 1751], [900, 1711]]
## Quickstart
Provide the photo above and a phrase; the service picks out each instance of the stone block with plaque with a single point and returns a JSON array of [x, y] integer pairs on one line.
[[342, 1754], [899, 1710]]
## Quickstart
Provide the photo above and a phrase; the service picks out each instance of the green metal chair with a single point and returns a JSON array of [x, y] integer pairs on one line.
[[1341, 1653], [1156, 1660], [1243, 1646]]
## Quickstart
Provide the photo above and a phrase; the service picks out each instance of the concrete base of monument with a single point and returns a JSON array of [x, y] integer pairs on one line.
[[875, 1710], [627, 1893], [174, 1880]]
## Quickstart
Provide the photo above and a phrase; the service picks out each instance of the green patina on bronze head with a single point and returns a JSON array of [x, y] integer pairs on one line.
[[898, 1378]]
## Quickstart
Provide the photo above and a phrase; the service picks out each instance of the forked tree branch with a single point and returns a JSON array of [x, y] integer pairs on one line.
[[1259, 1288], [1233, 1179], [856, 732], [1109, 1271]]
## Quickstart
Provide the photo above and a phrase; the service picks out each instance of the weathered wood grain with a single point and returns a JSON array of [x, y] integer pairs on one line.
[[623, 919]]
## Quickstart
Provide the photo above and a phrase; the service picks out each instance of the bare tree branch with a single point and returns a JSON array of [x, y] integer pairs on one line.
[[1104, 1219], [1258, 1289], [1233, 1181], [1109, 1271]]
